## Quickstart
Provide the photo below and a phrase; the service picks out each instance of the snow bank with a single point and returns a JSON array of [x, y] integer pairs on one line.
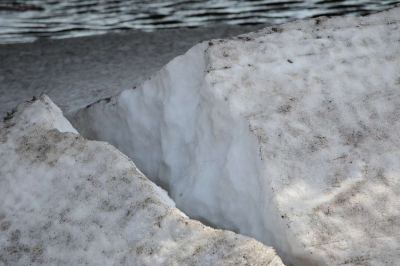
[[65, 200], [289, 135]]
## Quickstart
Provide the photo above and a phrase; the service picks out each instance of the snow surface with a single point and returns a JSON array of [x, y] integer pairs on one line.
[[65, 200], [289, 135]]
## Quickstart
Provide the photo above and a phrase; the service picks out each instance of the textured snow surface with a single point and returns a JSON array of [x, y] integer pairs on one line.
[[65, 200], [289, 135]]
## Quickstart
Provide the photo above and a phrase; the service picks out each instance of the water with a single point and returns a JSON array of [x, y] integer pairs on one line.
[[26, 21]]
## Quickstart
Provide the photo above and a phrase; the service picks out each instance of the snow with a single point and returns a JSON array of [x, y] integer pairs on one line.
[[65, 200], [288, 135]]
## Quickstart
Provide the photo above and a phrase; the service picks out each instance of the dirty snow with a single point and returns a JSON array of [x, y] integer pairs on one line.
[[65, 200], [289, 135]]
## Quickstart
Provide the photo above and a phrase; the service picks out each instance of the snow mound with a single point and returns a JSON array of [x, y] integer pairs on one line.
[[65, 200], [289, 135]]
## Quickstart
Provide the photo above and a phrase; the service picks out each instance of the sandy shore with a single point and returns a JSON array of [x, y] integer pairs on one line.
[[78, 71]]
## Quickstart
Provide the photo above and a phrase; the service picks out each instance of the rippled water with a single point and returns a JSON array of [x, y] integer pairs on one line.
[[28, 20]]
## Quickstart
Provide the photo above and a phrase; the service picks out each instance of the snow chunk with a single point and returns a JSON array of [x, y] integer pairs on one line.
[[65, 200], [289, 135], [163, 194]]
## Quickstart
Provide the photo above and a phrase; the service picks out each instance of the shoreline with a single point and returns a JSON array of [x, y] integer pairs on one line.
[[75, 72]]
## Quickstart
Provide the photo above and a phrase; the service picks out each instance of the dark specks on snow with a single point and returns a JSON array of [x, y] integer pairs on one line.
[[65, 200]]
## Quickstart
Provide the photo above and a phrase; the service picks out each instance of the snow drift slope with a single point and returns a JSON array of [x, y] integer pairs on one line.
[[289, 134], [68, 201]]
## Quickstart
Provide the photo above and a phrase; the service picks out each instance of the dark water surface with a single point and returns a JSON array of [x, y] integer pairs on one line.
[[26, 21]]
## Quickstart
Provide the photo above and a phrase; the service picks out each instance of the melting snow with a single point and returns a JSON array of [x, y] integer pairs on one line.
[[65, 200], [289, 135]]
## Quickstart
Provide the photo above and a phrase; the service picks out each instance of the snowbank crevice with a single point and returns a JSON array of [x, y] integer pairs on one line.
[[288, 135], [183, 136], [67, 200]]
